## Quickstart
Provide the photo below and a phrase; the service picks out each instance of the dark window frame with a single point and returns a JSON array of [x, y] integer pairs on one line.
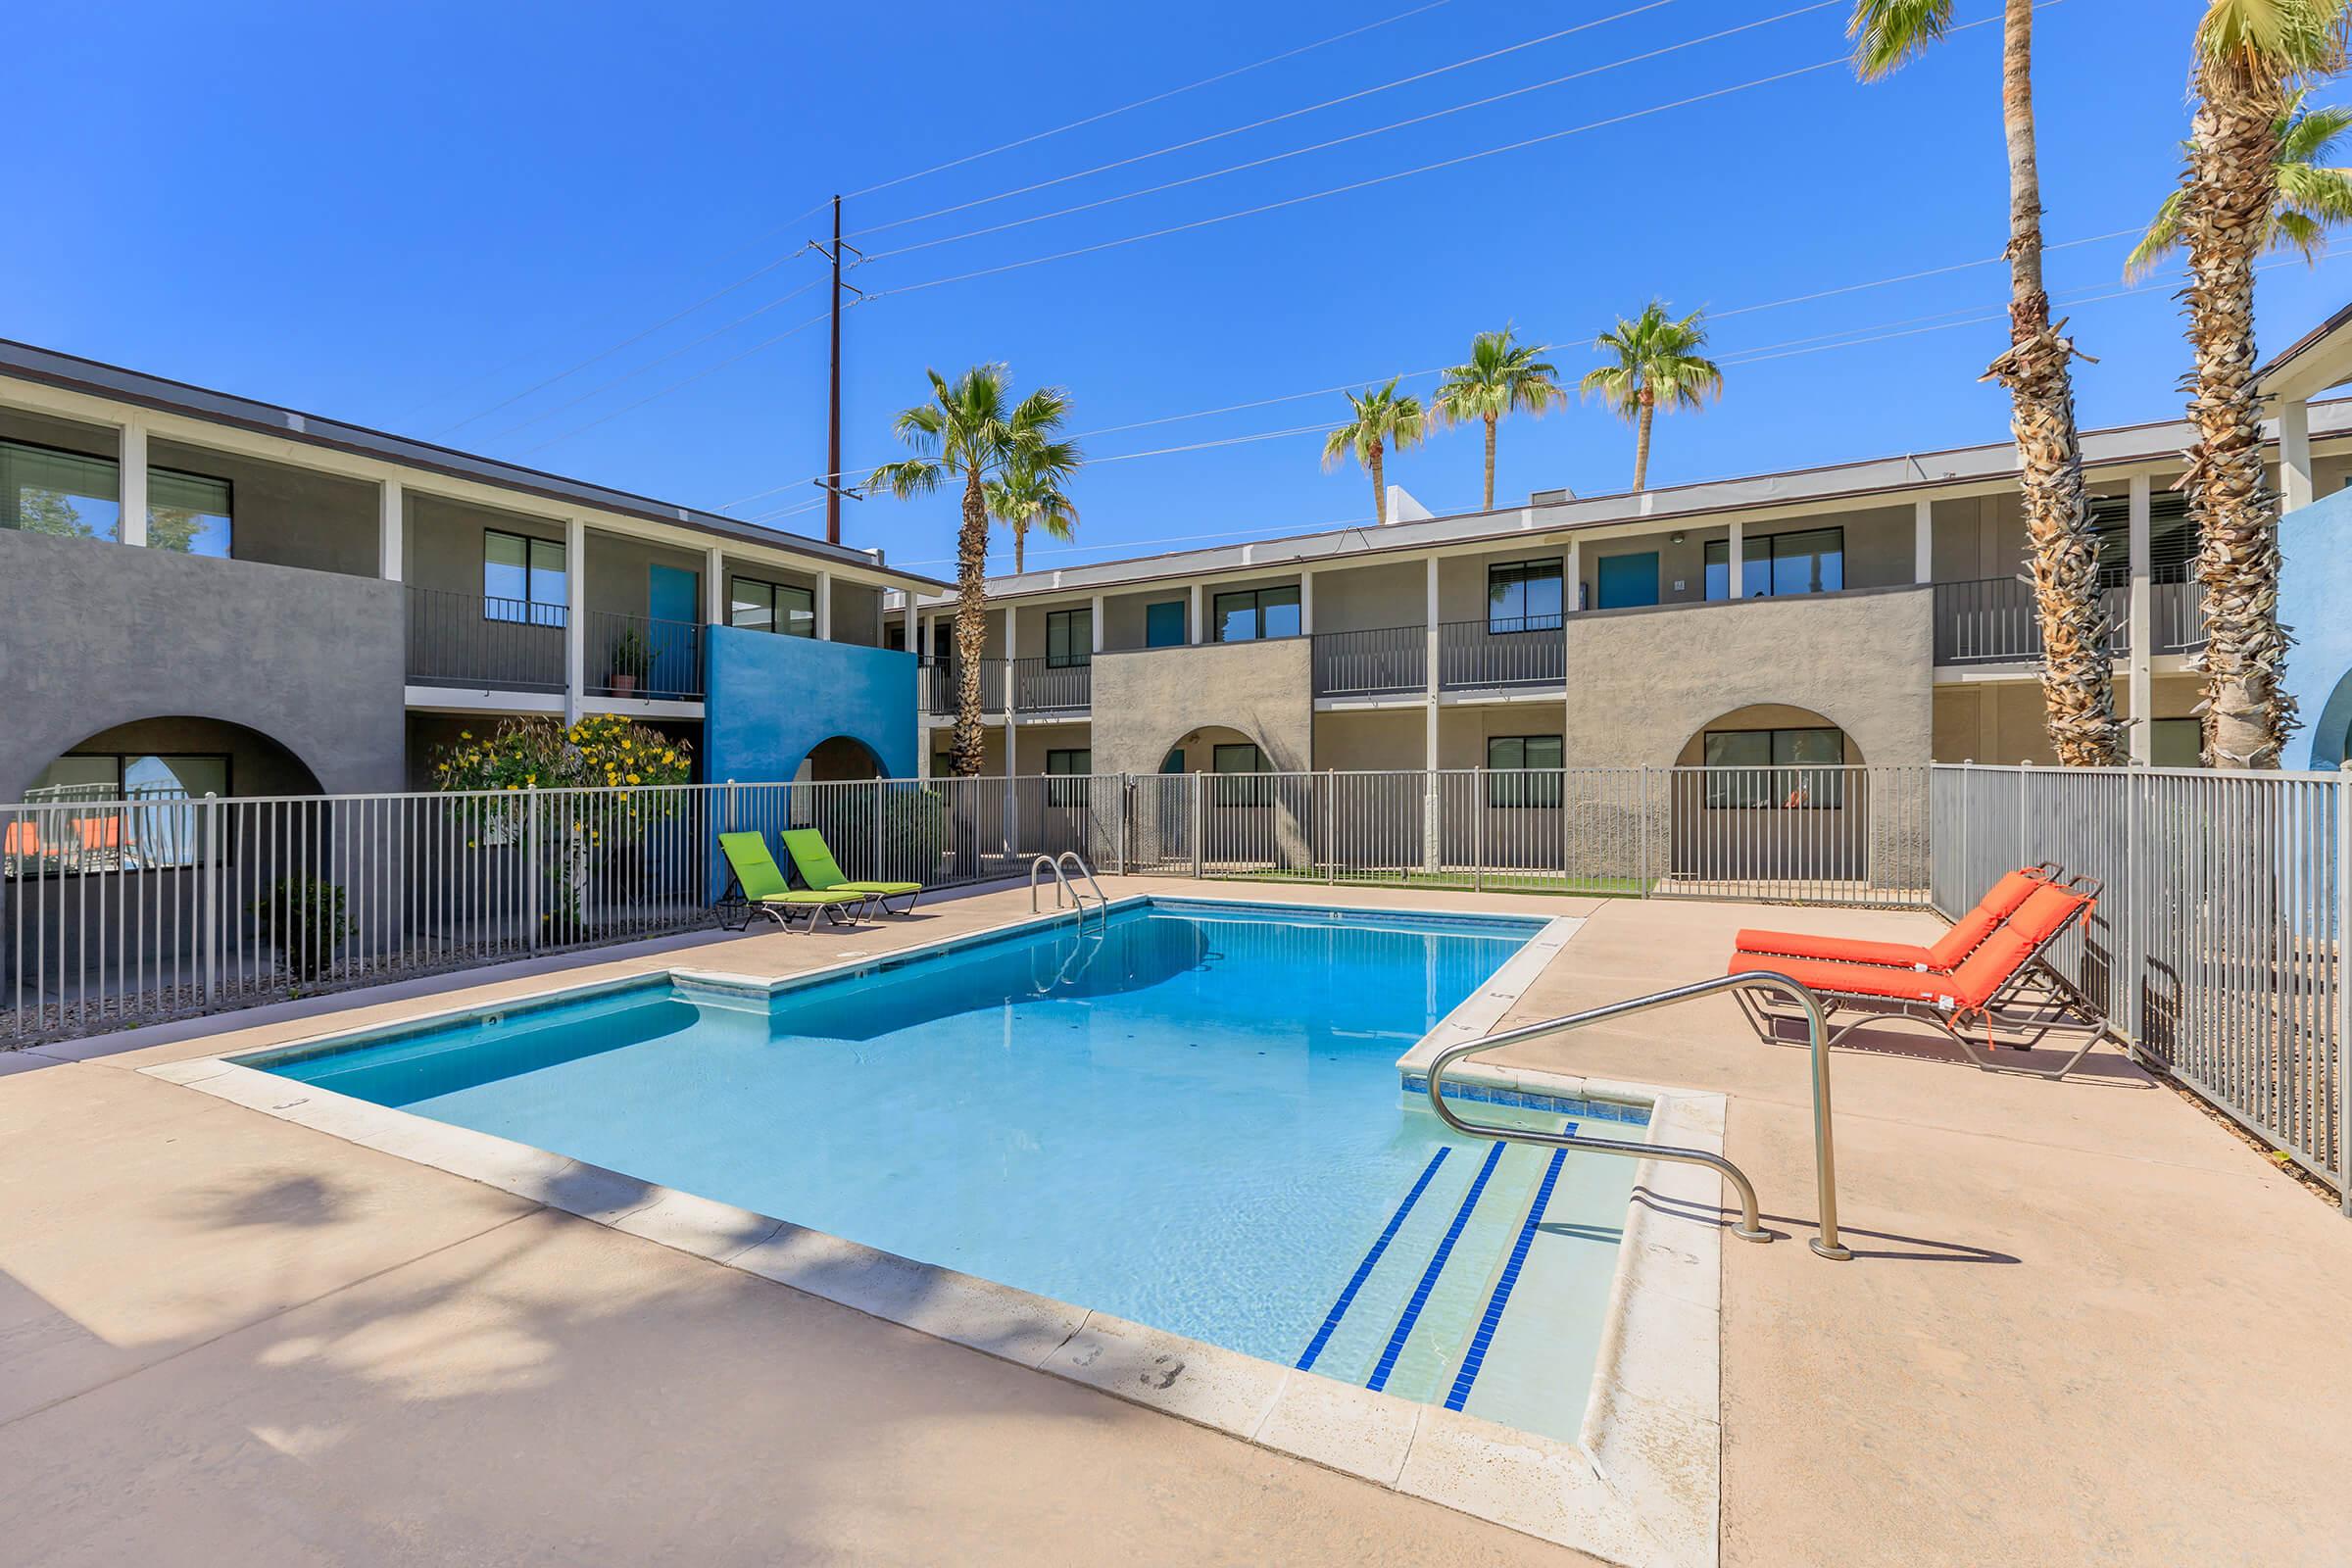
[[1229, 790], [1735, 787], [776, 622], [1523, 784], [1062, 793], [1257, 611], [1072, 659], [152, 468], [1557, 576], [1749, 558], [186, 829], [534, 612]]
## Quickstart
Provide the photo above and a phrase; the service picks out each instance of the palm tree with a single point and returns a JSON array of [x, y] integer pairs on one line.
[[2251, 57], [1500, 377], [972, 430], [2313, 197], [1656, 363], [2076, 679], [1023, 499], [1382, 422]]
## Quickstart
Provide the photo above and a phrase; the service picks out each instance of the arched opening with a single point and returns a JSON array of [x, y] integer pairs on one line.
[[1242, 814], [1771, 793], [173, 758], [839, 759], [2331, 729]]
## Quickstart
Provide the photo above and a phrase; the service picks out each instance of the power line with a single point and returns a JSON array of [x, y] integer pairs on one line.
[[1255, 124], [1361, 136], [764, 343], [1140, 103]]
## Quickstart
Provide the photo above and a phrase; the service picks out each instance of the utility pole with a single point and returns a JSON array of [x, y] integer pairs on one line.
[[835, 489]]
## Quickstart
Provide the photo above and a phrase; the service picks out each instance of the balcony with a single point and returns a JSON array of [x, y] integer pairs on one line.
[[637, 656], [1028, 686], [465, 639], [1992, 620], [1471, 655]]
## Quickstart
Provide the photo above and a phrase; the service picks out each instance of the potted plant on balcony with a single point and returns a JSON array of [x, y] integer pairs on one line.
[[632, 657]]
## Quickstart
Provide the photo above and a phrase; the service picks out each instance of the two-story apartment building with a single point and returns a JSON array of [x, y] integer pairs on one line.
[[217, 593], [1866, 612]]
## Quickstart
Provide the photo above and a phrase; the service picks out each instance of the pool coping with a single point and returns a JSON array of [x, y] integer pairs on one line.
[[1641, 1485]]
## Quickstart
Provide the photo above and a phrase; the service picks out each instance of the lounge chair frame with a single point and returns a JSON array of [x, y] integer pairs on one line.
[[2036, 1001]]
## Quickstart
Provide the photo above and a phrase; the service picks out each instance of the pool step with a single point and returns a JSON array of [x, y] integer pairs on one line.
[[1429, 1294]]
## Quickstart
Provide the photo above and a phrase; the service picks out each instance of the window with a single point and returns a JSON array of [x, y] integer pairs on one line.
[[1524, 596], [1256, 613], [778, 606], [1075, 762], [2172, 538], [2176, 742], [187, 513], [1507, 785], [1069, 638], [1232, 764], [522, 579], [1163, 625], [76, 496], [157, 831], [1809, 563], [1775, 769]]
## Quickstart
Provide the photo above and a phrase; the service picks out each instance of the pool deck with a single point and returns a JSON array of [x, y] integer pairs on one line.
[[2085, 1324]]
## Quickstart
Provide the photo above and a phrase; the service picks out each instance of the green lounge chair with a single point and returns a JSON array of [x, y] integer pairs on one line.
[[757, 886], [817, 867]]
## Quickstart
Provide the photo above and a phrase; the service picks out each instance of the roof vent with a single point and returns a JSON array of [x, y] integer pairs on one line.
[[1550, 497]]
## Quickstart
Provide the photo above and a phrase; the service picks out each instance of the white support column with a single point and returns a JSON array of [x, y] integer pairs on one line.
[[1430, 847], [2140, 662], [1094, 618], [1739, 559], [1572, 599], [2294, 455], [390, 515], [914, 651], [131, 483], [824, 607], [1200, 629], [1307, 604], [1923, 541], [714, 587], [575, 614]]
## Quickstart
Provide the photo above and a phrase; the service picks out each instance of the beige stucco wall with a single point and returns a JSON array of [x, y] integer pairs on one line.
[[1147, 701], [1370, 741], [1395, 593], [2001, 721]]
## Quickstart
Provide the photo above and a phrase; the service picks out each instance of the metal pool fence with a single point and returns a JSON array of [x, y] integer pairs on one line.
[[2217, 952], [2218, 947]]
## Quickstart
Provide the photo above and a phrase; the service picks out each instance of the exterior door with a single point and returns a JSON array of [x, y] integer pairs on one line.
[[671, 600], [1163, 625], [1629, 581]]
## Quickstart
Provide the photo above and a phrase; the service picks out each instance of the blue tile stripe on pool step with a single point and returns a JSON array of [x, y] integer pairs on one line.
[[1363, 1270], [1533, 1099], [1502, 1298], [1429, 1275]]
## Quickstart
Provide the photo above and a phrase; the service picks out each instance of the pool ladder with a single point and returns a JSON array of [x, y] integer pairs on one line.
[[1062, 884], [1750, 1227]]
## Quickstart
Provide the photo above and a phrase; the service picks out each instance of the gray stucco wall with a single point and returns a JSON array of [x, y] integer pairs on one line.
[[98, 635], [1146, 702]]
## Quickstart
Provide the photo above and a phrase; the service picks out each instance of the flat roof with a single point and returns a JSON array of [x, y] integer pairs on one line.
[[30, 362], [1891, 476]]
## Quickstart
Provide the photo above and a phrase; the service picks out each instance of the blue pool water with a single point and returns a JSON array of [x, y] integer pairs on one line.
[[1189, 1116]]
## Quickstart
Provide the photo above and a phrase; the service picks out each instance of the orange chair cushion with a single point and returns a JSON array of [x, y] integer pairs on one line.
[[2008, 895]]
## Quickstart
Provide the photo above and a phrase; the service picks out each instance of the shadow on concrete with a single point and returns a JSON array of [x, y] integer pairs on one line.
[[1914, 1249]]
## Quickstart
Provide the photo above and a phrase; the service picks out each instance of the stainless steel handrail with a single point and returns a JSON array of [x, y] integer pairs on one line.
[[1054, 866], [1087, 871], [1750, 1227]]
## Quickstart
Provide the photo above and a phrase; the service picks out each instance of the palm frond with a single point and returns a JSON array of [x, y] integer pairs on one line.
[[2161, 240], [1889, 34], [2282, 43]]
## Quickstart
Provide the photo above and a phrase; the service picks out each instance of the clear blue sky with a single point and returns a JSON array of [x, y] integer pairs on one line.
[[404, 215]]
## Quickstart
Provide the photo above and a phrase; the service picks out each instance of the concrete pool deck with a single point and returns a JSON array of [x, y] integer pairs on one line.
[[2087, 1324]]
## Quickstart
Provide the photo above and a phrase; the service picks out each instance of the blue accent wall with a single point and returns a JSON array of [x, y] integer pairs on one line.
[[771, 700], [2314, 600]]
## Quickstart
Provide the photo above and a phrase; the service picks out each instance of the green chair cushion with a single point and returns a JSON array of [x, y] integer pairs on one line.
[[756, 870], [805, 896], [817, 867], [888, 890]]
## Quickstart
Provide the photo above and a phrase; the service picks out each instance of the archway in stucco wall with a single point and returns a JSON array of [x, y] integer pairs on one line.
[[174, 754], [1772, 793], [2331, 727], [1219, 799], [839, 759]]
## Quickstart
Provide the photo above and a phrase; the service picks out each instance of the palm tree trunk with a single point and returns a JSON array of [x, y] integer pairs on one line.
[[1642, 439], [1490, 506], [967, 751], [1020, 546], [2076, 679], [1380, 490], [2231, 184]]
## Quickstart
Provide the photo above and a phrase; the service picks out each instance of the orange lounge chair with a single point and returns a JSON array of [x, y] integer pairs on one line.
[[2000, 985], [2007, 896]]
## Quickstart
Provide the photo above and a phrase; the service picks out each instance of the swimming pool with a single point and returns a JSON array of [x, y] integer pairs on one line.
[[1188, 1115]]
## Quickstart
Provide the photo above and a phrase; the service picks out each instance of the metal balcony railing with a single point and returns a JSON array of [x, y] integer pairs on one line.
[[1387, 661], [1474, 655], [462, 639], [1992, 620], [637, 656], [1040, 686]]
